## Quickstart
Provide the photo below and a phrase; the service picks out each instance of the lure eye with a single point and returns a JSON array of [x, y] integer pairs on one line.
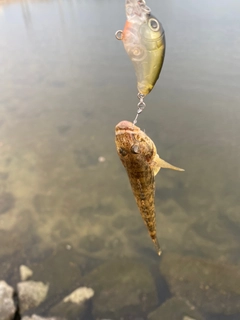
[[153, 24], [134, 149], [122, 151]]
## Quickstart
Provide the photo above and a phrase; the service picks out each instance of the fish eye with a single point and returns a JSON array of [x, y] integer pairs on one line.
[[122, 151], [134, 149], [153, 24]]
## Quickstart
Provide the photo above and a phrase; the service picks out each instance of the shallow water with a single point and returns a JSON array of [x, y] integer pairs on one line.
[[65, 82]]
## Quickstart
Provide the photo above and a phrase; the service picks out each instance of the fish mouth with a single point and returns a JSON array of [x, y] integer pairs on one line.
[[126, 126]]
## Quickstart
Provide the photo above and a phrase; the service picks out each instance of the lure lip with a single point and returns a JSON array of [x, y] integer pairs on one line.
[[137, 6], [136, 10]]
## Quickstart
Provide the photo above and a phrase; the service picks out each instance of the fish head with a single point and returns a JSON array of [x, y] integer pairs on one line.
[[136, 11], [132, 143]]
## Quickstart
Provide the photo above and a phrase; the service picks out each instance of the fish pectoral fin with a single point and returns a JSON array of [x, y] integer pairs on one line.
[[159, 163]]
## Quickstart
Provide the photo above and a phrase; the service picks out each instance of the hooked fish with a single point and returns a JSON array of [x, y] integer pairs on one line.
[[144, 41], [139, 156]]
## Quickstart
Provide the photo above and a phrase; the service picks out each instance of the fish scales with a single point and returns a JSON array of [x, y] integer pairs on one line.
[[143, 187], [141, 161]]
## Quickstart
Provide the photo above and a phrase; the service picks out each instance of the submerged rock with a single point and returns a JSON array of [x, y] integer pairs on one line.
[[7, 201], [31, 294], [74, 306], [7, 307], [123, 288], [215, 237], [210, 286], [25, 272], [35, 317], [61, 271], [175, 309], [79, 296]]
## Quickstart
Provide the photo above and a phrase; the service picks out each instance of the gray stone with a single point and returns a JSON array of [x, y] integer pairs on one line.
[[35, 317], [7, 307], [31, 294], [80, 295], [175, 309], [74, 306], [212, 287], [122, 288], [25, 272]]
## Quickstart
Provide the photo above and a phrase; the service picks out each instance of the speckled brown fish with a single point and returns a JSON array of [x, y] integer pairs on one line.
[[139, 156]]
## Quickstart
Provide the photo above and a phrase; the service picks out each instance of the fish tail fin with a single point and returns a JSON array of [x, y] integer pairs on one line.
[[157, 246], [152, 232], [163, 164]]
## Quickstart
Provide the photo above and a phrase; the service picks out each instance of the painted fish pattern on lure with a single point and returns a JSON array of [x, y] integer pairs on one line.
[[144, 41], [139, 156]]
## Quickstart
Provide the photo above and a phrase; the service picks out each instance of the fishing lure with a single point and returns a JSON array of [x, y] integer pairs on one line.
[[144, 41]]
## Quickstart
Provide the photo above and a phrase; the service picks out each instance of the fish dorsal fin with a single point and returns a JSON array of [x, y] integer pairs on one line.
[[159, 163]]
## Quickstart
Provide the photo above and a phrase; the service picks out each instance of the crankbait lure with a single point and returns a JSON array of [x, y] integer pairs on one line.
[[144, 41]]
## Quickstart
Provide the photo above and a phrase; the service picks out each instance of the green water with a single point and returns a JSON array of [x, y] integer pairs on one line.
[[65, 82]]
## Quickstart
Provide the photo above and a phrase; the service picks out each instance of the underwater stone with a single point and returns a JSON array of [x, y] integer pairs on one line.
[[175, 309], [6, 202], [35, 317], [25, 272], [122, 288], [79, 295], [61, 270], [210, 286], [214, 236], [7, 307], [74, 306], [31, 294]]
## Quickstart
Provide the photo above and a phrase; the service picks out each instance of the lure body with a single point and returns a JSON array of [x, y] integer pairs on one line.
[[139, 156], [144, 41]]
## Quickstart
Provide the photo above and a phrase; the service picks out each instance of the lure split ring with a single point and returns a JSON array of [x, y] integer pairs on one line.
[[119, 34]]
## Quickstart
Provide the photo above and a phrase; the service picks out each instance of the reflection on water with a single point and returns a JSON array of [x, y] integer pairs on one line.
[[65, 83]]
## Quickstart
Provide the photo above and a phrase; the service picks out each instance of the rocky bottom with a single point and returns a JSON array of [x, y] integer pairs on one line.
[[176, 288]]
